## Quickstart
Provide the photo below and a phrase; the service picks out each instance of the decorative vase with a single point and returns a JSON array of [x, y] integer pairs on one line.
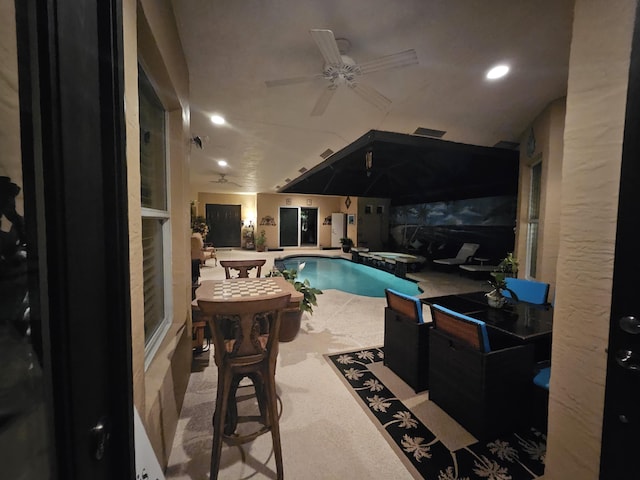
[[290, 324]]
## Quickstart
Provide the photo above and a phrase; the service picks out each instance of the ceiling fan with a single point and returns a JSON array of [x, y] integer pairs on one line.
[[223, 180], [339, 69]]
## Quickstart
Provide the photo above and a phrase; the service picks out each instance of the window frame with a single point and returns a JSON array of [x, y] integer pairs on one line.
[[533, 219], [153, 342]]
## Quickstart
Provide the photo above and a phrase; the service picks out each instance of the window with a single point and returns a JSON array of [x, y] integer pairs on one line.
[[155, 215], [533, 220]]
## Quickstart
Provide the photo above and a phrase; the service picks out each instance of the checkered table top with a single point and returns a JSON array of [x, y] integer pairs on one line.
[[251, 287]]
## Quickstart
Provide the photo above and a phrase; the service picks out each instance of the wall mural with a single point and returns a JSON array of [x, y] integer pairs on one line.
[[438, 229]]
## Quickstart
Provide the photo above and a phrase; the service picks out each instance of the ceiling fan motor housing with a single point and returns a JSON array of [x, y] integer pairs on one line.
[[341, 74]]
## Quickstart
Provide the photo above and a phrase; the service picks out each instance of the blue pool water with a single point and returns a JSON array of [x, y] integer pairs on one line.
[[341, 274]]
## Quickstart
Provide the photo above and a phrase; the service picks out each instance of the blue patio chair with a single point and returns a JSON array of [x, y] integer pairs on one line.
[[406, 339], [477, 377], [527, 290]]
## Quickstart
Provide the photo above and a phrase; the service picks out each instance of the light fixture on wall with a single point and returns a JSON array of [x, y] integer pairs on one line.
[[368, 161], [347, 202]]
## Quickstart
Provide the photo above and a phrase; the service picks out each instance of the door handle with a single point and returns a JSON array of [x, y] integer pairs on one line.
[[628, 360], [100, 436]]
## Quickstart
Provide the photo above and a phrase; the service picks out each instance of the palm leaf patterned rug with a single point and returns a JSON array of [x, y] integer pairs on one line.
[[516, 456]]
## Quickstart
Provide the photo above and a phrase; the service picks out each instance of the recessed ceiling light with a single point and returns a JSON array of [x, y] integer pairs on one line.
[[222, 163], [218, 119], [498, 71]]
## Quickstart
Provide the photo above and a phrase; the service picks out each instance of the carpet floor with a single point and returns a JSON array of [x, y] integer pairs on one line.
[[519, 455]]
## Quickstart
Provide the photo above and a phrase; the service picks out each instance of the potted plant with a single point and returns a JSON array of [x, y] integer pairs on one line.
[[495, 298], [291, 319], [347, 243], [509, 265], [261, 241]]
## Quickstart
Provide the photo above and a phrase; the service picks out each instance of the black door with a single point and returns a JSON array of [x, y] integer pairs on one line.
[[309, 227], [621, 429], [67, 319], [225, 225], [288, 226]]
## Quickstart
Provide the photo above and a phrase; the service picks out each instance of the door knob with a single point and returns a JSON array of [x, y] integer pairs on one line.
[[630, 324]]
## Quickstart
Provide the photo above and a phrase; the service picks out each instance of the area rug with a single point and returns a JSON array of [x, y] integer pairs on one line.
[[516, 456]]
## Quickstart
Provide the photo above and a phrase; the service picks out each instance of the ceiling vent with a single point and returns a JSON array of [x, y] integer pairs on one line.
[[287, 180], [507, 145], [302, 170], [327, 153], [429, 132]]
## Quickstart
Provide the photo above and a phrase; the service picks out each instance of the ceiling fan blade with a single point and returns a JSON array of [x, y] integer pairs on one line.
[[371, 95], [292, 80], [323, 101], [326, 42], [395, 60]]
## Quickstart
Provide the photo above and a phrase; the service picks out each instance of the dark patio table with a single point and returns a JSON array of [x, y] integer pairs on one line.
[[527, 322]]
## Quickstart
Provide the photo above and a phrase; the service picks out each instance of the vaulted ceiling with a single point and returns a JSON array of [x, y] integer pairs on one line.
[[235, 49]]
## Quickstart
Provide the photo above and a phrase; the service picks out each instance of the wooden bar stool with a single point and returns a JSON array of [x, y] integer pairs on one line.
[[245, 338], [242, 267]]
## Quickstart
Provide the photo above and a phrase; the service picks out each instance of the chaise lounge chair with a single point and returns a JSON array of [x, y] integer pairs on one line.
[[464, 255]]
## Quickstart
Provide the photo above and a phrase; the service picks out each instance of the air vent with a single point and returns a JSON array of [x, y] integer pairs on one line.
[[277, 187], [507, 145], [327, 153], [302, 170], [287, 180], [429, 132]]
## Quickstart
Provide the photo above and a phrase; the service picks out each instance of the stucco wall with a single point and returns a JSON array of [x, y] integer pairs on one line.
[[11, 160], [270, 203], [596, 97], [150, 35]]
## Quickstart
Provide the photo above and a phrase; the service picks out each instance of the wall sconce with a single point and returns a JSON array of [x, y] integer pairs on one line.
[[368, 161], [347, 202]]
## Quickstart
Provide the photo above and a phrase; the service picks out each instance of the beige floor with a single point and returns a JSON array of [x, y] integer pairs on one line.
[[325, 433]]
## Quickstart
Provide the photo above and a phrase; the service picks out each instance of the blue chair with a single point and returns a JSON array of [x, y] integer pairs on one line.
[[541, 379], [540, 409], [527, 290], [406, 339], [476, 376]]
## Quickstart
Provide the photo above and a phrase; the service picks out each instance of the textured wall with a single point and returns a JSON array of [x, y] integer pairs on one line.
[[150, 35], [11, 156], [594, 124]]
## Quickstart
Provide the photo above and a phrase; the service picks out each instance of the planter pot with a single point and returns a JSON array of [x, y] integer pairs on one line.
[[346, 248], [290, 324], [260, 248], [495, 300]]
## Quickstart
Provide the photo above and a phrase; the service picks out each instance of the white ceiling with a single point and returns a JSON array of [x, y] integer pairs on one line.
[[233, 46]]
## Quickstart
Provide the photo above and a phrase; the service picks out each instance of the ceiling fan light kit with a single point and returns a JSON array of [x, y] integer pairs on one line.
[[340, 69]]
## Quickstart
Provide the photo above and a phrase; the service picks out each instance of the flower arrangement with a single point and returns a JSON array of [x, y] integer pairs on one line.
[[199, 225]]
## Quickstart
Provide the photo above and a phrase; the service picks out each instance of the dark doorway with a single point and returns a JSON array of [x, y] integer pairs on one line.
[[621, 425], [67, 362], [288, 226], [225, 225], [308, 227]]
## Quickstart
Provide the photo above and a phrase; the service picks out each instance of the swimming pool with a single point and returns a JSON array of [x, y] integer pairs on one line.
[[341, 274]]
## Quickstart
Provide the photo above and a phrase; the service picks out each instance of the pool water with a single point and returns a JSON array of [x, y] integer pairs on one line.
[[341, 274]]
